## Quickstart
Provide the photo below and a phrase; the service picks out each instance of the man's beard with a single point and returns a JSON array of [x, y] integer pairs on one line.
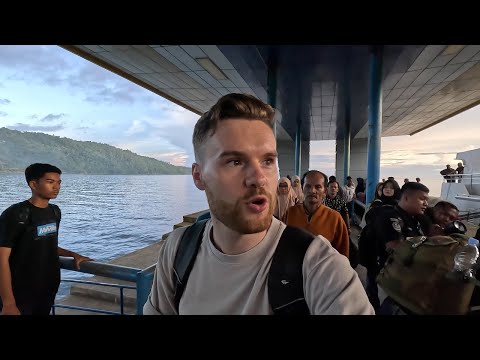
[[231, 215], [311, 207]]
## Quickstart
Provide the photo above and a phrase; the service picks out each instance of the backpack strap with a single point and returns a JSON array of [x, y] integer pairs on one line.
[[285, 279], [23, 215], [56, 211], [185, 257]]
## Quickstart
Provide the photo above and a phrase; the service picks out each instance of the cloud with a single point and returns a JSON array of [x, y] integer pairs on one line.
[[52, 117], [34, 58], [4, 101], [27, 127], [124, 93], [322, 159], [137, 127], [53, 66], [174, 158], [3, 114], [170, 133], [437, 153]]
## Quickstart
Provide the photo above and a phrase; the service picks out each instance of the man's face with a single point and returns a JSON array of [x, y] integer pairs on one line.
[[416, 202], [444, 216], [238, 171], [314, 191], [47, 187], [332, 189], [349, 182]]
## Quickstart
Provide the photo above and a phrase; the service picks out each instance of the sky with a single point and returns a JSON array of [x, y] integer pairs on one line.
[[421, 155], [48, 89]]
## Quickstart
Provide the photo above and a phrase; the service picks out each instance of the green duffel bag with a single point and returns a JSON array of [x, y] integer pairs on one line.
[[418, 276]]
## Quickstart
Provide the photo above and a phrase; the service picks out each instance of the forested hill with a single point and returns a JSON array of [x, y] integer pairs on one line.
[[20, 149]]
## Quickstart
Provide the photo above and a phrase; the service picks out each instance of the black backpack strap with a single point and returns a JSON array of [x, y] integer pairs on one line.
[[185, 257], [285, 279], [56, 211]]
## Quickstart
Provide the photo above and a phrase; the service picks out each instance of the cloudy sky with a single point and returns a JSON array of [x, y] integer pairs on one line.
[[424, 154], [48, 89]]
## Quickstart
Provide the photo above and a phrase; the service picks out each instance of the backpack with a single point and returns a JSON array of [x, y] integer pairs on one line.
[[367, 245], [416, 276], [353, 255], [23, 215], [285, 278]]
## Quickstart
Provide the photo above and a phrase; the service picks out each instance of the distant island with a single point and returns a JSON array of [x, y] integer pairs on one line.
[[20, 149]]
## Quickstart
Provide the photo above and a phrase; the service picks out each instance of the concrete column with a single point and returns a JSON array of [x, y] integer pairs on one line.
[[358, 159], [286, 157], [346, 152], [374, 122], [298, 148], [272, 87]]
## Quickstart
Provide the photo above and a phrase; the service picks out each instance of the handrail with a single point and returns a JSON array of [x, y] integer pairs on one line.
[[82, 308], [144, 284], [142, 277], [102, 269], [461, 177], [359, 203]]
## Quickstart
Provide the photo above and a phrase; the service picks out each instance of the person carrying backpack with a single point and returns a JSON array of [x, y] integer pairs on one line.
[[240, 262], [29, 251], [418, 276], [389, 226]]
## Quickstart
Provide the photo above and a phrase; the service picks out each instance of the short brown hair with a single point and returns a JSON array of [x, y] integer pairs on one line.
[[230, 106]]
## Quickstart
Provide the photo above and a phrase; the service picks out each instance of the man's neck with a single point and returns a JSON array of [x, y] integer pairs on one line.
[[231, 242], [38, 201], [402, 207], [310, 210]]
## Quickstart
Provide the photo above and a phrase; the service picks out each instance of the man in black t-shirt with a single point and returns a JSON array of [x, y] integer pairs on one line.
[[392, 225], [29, 251]]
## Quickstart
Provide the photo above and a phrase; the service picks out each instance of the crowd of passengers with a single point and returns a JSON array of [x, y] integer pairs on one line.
[[324, 207]]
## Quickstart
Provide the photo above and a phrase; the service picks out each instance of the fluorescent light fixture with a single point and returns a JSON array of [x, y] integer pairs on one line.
[[212, 69], [453, 49]]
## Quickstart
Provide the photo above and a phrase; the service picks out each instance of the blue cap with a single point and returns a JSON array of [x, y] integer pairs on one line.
[[473, 241]]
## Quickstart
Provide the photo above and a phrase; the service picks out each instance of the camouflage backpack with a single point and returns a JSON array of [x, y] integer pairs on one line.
[[418, 276]]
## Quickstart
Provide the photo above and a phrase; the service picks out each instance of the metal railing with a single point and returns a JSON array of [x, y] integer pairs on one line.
[[469, 215], [467, 179], [82, 308], [143, 279]]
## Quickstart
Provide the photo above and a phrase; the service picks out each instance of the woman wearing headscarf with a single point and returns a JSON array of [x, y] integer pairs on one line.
[[297, 188], [285, 198], [360, 189], [376, 202], [389, 196]]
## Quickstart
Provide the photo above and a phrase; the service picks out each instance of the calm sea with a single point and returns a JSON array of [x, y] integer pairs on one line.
[[107, 216]]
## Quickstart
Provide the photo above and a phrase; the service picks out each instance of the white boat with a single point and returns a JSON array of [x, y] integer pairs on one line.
[[463, 190]]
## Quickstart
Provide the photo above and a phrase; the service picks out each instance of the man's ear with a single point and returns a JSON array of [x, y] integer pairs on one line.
[[33, 184], [197, 176]]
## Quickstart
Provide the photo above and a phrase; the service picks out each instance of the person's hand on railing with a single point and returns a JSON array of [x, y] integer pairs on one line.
[[79, 259]]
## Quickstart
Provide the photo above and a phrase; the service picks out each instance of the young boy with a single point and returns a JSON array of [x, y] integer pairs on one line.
[[29, 251]]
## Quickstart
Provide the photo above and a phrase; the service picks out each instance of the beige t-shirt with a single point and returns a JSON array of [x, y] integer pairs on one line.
[[237, 284]]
